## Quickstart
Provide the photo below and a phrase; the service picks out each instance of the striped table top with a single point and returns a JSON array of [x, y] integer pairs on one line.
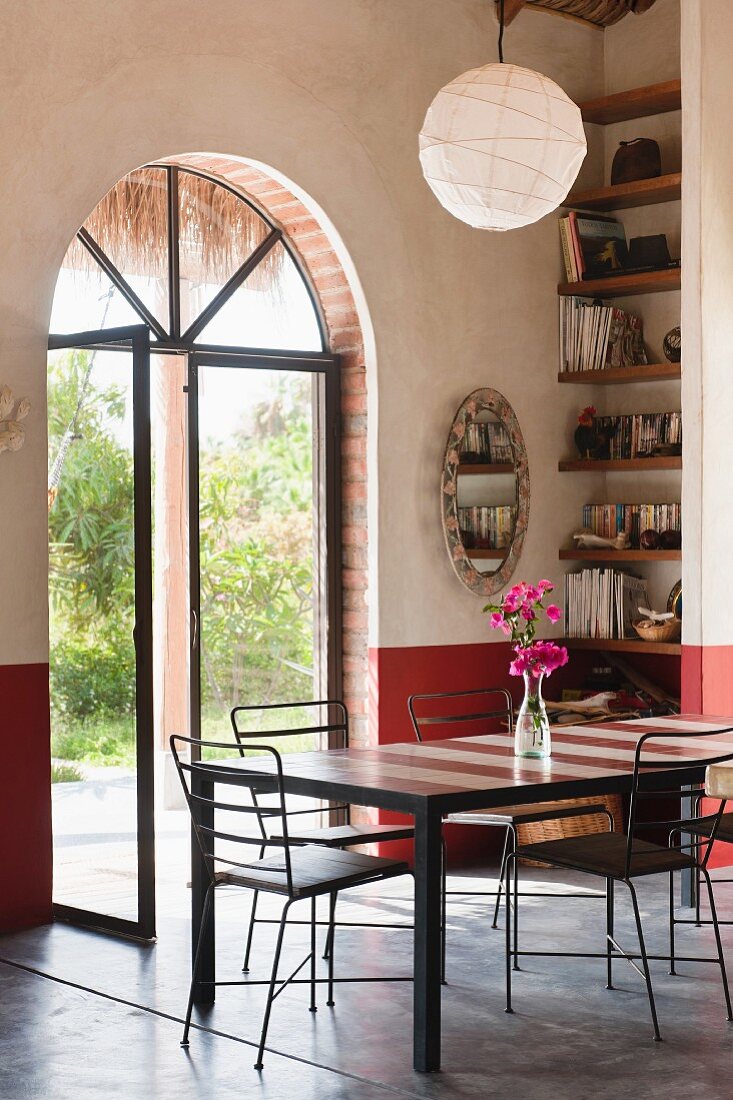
[[583, 758]]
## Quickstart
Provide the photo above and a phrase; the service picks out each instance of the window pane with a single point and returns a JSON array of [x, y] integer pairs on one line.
[[130, 225], [85, 300], [217, 232], [92, 616], [256, 521], [272, 309]]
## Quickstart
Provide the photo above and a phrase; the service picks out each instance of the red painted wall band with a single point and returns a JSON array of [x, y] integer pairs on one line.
[[26, 845]]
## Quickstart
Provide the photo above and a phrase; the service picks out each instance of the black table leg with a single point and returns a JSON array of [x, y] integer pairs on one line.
[[203, 992], [688, 885], [426, 988]]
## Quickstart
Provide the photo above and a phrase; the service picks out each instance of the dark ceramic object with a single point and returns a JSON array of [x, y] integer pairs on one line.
[[636, 160], [670, 540], [649, 540], [672, 345]]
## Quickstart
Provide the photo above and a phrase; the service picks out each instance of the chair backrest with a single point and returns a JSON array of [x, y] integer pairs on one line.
[[210, 772], [686, 753], [336, 727], [443, 714]]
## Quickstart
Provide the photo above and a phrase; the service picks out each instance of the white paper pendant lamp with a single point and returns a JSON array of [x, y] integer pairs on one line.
[[501, 146]]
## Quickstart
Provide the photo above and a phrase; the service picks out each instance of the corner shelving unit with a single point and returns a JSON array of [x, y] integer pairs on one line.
[[620, 465], [624, 196], [622, 286], [654, 99], [571, 554], [624, 645], [636, 103], [622, 376]]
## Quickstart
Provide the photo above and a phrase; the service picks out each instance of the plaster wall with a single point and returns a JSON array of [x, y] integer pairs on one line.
[[331, 96], [707, 324]]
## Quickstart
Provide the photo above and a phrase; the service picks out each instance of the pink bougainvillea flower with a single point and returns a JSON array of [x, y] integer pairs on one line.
[[538, 659], [553, 612], [496, 620], [528, 613], [507, 628], [545, 586]]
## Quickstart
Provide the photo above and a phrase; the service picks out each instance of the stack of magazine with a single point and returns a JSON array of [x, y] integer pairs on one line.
[[595, 335], [603, 603]]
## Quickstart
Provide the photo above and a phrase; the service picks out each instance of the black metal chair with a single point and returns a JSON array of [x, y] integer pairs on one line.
[[482, 712], [335, 731], [295, 873], [724, 835], [623, 857]]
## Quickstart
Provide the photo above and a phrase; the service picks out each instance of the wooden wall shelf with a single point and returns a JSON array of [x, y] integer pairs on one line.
[[625, 195], [654, 99], [485, 468], [620, 555], [488, 555], [664, 462], [615, 376], [618, 286], [624, 645]]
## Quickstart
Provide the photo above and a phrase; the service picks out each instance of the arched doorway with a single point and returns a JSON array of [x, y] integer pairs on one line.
[[244, 397]]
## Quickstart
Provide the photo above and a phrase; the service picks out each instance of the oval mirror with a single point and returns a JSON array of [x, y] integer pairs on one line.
[[485, 492]]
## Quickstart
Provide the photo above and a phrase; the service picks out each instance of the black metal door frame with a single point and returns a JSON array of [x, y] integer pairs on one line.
[[134, 338], [326, 421]]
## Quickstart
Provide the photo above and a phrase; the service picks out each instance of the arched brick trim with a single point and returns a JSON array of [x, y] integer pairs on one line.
[[345, 338]]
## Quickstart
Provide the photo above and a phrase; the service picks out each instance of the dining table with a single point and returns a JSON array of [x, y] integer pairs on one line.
[[428, 780]]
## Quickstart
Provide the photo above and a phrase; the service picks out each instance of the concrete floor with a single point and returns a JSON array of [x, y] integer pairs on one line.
[[86, 1015]]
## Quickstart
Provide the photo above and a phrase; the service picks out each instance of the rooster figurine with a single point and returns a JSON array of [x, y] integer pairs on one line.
[[586, 436]]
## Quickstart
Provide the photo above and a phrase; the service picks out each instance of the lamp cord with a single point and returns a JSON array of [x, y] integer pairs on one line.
[[501, 32]]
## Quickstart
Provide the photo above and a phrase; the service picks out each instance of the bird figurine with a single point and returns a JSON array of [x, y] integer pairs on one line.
[[586, 436]]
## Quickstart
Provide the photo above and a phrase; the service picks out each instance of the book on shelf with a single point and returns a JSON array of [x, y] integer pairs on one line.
[[486, 441], [610, 520], [595, 247], [595, 335], [640, 435], [603, 603], [486, 527], [592, 247]]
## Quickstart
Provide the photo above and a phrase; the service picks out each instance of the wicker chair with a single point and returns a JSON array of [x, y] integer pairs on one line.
[[624, 857]]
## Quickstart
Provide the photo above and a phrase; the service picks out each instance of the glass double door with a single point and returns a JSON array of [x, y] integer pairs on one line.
[[263, 453], [193, 556], [100, 619]]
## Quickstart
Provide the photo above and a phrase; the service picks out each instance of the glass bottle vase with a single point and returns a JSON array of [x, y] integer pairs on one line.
[[532, 729]]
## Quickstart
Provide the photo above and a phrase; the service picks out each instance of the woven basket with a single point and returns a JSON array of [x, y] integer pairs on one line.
[[559, 827], [668, 631]]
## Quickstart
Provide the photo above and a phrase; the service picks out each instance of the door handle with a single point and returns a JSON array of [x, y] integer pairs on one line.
[[194, 629]]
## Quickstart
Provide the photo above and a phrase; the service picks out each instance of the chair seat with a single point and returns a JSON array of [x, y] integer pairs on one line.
[[523, 815], [725, 829], [339, 836], [315, 870], [605, 854]]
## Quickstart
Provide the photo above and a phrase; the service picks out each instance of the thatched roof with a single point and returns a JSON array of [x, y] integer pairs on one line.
[[603, 13], [217, 230]]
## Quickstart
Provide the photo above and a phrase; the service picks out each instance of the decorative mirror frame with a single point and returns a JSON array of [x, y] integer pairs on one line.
[[483, 400]]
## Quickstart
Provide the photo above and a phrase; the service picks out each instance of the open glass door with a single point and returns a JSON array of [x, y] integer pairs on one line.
[[264, 530], [100, 606]]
